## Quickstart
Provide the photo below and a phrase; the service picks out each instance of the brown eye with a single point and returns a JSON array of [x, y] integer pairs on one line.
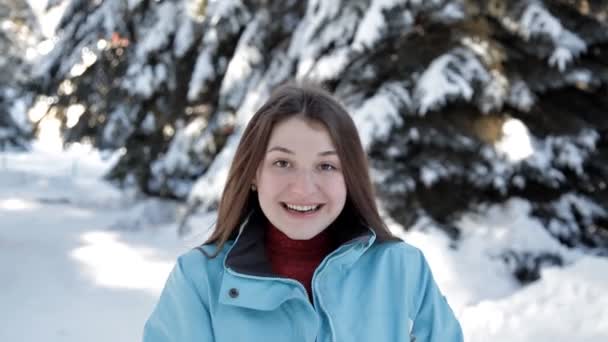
[[281, 163], [327, 167]]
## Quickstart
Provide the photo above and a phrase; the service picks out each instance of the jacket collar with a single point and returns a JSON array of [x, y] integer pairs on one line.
[[248, 253], [248, 270]]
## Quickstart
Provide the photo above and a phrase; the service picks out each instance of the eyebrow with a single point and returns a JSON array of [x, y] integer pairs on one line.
[[288, 151]]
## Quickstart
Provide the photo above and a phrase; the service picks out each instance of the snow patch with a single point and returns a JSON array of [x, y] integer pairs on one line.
[[575, 294], [516, 142], [148, 213]]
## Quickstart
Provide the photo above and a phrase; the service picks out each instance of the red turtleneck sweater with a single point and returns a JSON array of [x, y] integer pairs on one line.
[[296, 259]]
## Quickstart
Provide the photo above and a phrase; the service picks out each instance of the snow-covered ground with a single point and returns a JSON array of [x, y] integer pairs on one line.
[[83, 261], [75, 264]]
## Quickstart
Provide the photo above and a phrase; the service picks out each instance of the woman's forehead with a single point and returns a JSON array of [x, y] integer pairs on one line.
[[297, 134]]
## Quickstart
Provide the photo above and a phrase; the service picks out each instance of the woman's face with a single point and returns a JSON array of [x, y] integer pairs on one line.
[[299, 182]]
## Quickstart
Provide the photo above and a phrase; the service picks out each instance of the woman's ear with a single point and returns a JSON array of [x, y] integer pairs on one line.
[[254, 181]]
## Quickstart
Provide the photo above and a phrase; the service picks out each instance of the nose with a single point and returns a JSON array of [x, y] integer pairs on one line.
[[304, 183]]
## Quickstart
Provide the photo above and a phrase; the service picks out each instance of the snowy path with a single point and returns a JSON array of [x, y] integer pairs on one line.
[[65, 276], [52, 295]]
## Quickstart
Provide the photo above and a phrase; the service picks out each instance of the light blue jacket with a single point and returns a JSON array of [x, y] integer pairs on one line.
[[362, 291]]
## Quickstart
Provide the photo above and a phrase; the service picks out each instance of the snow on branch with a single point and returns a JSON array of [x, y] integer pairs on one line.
[[314, 34], [133, 3], [184, 38], [379, 113], [225, 19], [520, 96], [548, 157], [450, 12], [243, 66], [571, 208], [120, 125], [450, 76], [158, 35], [536, 21], [373, 23], [204, 71], [143, 80], [178, 158]]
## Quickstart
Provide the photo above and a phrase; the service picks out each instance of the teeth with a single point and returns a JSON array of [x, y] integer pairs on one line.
[[302, 207]]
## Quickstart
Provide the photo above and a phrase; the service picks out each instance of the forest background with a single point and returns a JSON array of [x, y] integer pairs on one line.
[[486, 125]]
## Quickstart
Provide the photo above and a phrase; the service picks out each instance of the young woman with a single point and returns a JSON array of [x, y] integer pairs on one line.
[[300, 252]]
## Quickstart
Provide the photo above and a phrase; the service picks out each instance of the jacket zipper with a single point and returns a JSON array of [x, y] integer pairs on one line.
[[317, 298]]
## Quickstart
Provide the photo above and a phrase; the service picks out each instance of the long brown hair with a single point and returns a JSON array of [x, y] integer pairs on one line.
[[311, 103]]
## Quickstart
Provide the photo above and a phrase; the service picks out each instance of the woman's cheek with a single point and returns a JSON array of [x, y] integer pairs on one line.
[[334, 182]]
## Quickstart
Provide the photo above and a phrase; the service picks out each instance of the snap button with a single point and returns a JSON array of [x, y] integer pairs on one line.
[[233, 293]]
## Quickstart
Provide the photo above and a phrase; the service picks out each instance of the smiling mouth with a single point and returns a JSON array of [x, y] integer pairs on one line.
[[302, 208]]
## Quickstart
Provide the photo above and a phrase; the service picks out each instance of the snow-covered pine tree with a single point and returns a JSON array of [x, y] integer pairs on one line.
[[460, 103], [19, 31], [514, 106]]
